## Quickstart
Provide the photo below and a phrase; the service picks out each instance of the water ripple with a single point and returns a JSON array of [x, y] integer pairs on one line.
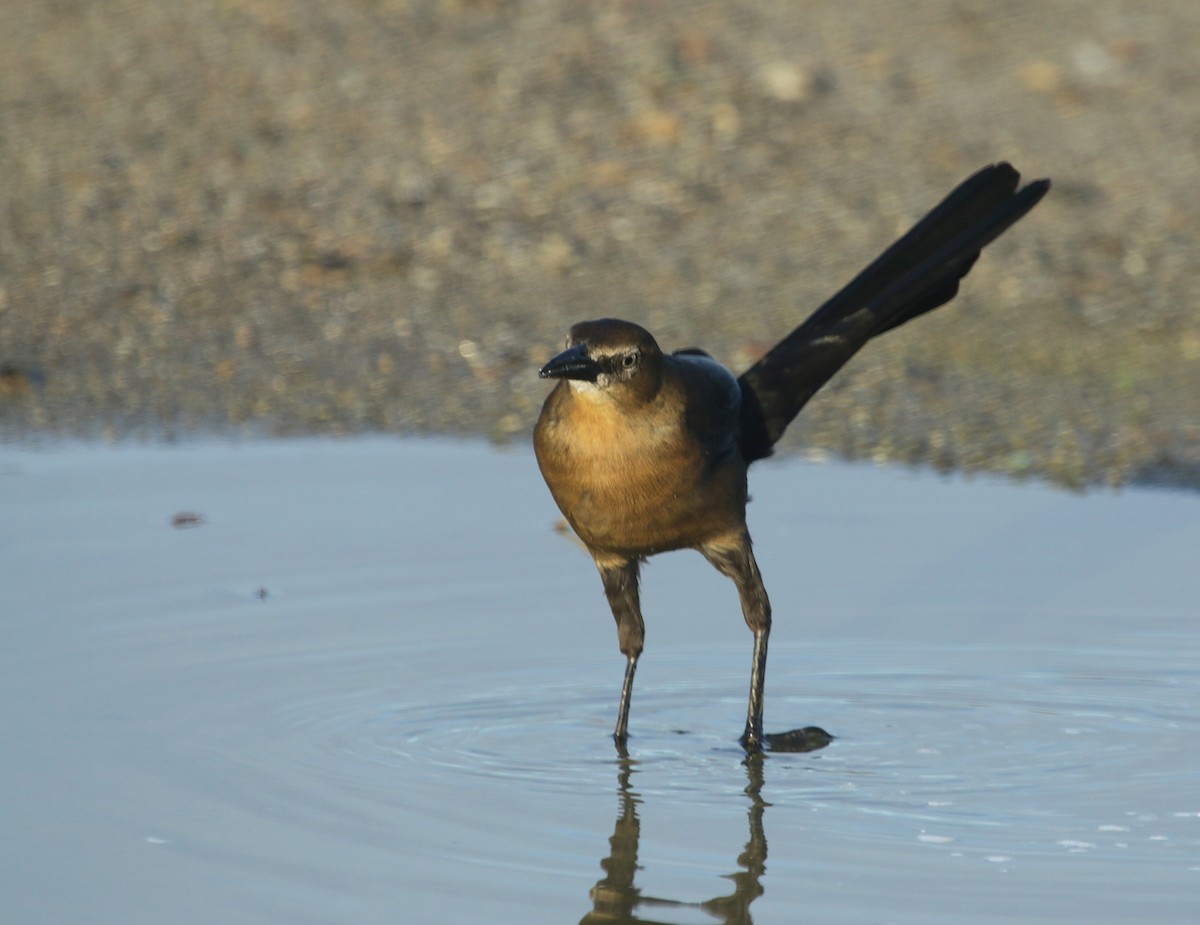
[[1076, 749]]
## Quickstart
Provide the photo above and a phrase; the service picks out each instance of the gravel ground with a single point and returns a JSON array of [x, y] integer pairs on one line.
[[291, 216]]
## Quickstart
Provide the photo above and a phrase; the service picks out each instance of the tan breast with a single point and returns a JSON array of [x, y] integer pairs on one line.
[[634, 484]]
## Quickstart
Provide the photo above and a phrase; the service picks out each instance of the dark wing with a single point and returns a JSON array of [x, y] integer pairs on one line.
[[915, 275], [714, 402]]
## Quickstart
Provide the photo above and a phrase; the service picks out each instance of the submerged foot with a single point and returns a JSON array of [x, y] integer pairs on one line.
[[752, 740]]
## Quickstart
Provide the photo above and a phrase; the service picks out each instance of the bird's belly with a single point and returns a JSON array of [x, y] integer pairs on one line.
[[638, 509]]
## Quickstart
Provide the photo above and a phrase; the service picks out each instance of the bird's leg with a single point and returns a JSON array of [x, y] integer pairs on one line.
[[621, 731], [752, 737], [735, 558], [620, 577]]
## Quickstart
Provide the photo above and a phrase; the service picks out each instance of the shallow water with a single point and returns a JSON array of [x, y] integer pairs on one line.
[[374, 685]]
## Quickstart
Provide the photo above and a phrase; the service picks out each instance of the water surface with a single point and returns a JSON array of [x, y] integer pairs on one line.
[[372, 684]]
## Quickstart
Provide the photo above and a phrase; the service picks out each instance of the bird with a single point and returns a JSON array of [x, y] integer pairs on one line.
[[647, 452]]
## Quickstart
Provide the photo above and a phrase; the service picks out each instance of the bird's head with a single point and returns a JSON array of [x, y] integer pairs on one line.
[[609, 355]]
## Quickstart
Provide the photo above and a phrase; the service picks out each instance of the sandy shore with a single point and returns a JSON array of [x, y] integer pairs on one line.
[[253, 215]]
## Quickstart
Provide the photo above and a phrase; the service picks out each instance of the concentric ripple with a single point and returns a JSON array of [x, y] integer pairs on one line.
[[952, 745]]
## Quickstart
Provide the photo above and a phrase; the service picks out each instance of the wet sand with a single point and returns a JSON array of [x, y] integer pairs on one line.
[[246, 216]]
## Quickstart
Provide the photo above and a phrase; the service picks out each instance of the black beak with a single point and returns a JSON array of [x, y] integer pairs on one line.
[[573, 363]]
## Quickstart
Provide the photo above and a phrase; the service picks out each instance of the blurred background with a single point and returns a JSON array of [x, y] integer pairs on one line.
[[282, 216]]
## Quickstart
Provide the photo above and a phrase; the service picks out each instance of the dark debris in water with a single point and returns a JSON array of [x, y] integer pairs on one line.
[[806, 739]]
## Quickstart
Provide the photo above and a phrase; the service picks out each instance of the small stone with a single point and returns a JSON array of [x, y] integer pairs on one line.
[[787, 81]]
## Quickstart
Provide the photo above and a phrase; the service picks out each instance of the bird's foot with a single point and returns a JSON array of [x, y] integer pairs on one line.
[[752, 737]]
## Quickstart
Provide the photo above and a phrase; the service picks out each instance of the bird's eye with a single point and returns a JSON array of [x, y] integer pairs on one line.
[[629, 361]]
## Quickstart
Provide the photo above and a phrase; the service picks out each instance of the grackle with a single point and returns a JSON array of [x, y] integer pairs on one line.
[[646, 452]]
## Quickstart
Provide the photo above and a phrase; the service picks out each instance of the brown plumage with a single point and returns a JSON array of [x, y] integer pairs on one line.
[[646, 452]]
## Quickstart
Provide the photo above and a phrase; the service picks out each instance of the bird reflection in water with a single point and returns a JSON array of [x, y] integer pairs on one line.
[[616, 899]]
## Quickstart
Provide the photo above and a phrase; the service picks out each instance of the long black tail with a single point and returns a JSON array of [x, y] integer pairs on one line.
[[915, 275]]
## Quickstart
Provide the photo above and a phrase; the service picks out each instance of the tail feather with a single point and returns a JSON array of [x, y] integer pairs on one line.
[[918, 273]]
